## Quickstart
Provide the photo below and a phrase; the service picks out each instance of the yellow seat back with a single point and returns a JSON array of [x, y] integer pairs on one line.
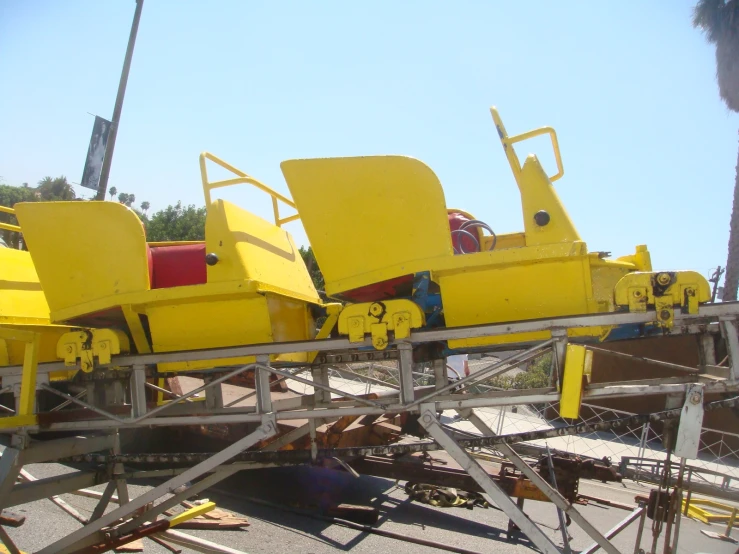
[[85, 251], [403, 216], [252, 249], [21, 297]]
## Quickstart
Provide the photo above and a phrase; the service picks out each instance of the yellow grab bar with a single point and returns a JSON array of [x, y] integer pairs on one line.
[[511, 153], [243, 178], [9, 226]]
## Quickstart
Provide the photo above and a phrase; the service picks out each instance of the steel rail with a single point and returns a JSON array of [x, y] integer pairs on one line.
[[706, 314]]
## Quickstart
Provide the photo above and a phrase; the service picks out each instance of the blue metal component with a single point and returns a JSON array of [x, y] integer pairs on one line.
[[430, 303], [633, 331]]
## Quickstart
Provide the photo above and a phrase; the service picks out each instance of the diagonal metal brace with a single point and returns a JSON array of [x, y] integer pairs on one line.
[[557, 499], [430, 422], [80, 538]]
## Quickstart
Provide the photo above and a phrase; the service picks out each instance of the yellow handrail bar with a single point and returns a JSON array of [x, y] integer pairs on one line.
[[510, 141], [9, 226], [242, 178]]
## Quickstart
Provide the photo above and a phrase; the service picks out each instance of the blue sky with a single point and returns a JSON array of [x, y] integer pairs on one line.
[[649, 150]]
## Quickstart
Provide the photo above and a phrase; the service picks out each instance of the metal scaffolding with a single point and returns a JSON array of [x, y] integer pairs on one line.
[[125, 381]]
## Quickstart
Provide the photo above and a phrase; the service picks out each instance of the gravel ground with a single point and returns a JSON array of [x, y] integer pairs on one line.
[[276, 531]]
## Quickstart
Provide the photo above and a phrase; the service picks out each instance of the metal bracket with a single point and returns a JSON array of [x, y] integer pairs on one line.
[[691, 423]]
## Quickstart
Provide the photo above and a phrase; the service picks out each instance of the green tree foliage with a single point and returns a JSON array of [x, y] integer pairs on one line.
[[536, 375], [9, 196], [145, 206], [315, 272], [112, 191], [55, 189], [176, 223]]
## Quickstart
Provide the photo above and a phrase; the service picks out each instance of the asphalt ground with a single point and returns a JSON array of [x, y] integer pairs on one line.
[[277, 531]]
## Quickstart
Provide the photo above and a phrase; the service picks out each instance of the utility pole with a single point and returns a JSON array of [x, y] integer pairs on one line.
[[108, 159]]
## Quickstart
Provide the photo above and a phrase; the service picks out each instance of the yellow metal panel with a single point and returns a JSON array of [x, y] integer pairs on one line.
[[641, 259], [514, 293], [604, 275], [508, 240], [21, 298], [84, 251], [369, 218], [212, 324], [290, 319], [219, 323], [49, 336], [537, 195], [250, 248], [578, 365]]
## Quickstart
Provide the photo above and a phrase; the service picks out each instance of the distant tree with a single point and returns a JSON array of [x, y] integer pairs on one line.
[[145, 206], [112, 191], [537, 375], [176, 223], [719, 20], [55, 189], [315, 272], [131, 200], [123, 198], [9, 196]]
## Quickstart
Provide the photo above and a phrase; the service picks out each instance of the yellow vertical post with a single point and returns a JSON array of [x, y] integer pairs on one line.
[[28, 379], [160, 394], [730, 526]]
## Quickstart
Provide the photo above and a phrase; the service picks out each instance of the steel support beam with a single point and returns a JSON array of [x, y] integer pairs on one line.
[[730, 330], [150, 515], [75, 540], [620, 526], [292, 436], [105, 499], [405, 371], [138, 391], [10, 468], [214, 397], [261, 386], [50, 486], [429, 421], [557, 499]]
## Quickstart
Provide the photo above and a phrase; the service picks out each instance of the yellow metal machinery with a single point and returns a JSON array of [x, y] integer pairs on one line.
[[27, 335], [98, 270], [380, 219], [94, 302]]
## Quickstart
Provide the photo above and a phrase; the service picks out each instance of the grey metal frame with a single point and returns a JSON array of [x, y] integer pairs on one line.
[[319, 409]]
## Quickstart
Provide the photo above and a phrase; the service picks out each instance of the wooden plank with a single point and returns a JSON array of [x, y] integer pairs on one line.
[[133, 546]]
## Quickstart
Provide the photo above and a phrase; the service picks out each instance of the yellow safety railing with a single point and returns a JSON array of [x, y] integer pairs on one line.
[[8, 226], [508, 143], [243, 178]]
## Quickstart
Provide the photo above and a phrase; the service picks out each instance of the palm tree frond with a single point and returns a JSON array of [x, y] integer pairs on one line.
[[727, 69], [709, 16]]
